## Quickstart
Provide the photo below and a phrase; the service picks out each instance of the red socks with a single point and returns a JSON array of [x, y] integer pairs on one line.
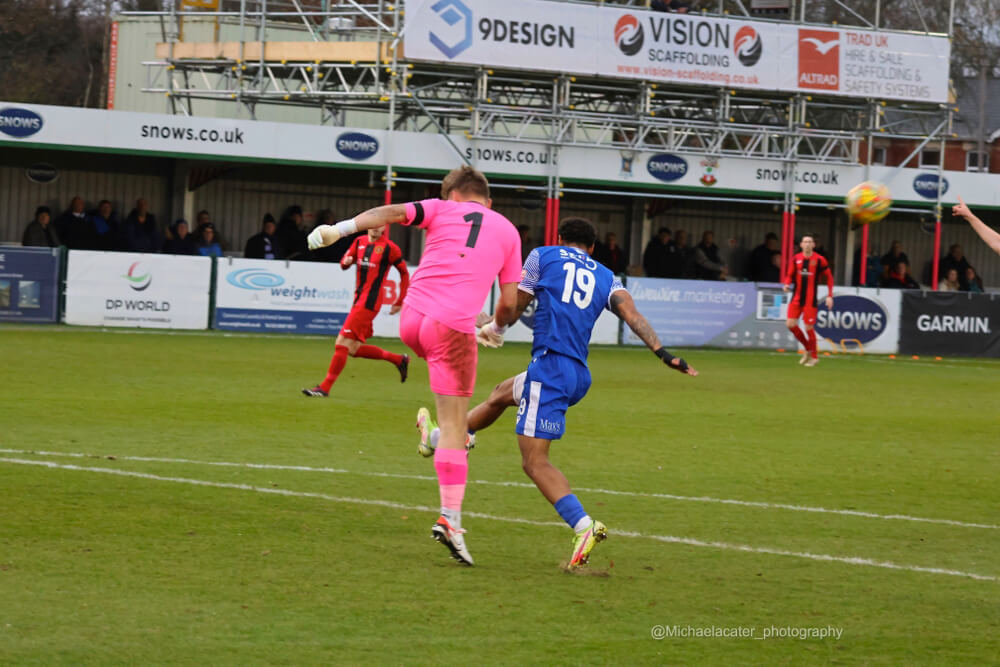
[[365, 352], [336, 365], [801, 337], [375, 352], [811, 346], [808, 340]]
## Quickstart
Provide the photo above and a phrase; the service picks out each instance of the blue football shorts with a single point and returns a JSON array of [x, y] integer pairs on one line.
[[551, 384]]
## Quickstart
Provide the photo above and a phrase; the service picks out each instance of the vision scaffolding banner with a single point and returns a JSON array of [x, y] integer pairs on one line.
[[277, 295], [950, 323], [29, 284], [137, 290], [693, 313], [679, 48]]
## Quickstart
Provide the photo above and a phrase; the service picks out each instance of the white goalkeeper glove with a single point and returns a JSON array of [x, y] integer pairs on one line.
[[325, 235], [490, 335]]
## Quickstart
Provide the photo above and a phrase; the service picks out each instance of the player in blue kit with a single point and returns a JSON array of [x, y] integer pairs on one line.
[[572, 290]]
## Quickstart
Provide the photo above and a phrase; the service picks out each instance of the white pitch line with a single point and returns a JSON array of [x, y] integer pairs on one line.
[[610, 492], [726, 546]]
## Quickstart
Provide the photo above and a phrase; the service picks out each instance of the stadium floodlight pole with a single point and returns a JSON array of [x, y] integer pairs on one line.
[[936, 263], [870, 150], [393, 90], [240, 66], [550, 210]]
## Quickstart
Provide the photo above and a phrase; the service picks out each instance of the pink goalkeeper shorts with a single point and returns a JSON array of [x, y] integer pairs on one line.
[[451, 355]]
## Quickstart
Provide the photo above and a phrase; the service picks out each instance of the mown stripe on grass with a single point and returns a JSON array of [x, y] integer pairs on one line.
[[849, 560], [632, 494]]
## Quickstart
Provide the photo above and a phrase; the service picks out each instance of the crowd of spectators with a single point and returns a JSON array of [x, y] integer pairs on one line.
[[667, 255], [103, 229], [954, 271]]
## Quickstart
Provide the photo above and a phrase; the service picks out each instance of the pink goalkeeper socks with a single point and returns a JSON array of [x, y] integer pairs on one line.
[[452, 467]]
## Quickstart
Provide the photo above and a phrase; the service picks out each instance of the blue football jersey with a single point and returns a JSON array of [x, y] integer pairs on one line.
[[571, 290]]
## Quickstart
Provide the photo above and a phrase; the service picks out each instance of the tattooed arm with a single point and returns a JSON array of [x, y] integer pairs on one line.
[[621, 304]]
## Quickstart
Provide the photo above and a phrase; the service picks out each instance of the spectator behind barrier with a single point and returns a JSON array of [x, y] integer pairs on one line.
[[955, 259], [291, 236], [207, 245], [75, 228], [950, 282], [708, 264], [974, 281], [264, 245], [681, 263], [41, 231], [761, 267], [655, 259], [893, 257], [610, 254], [873, 272], [141, 231], [205, 218], [106, 226], [180, 241], [900, 278]]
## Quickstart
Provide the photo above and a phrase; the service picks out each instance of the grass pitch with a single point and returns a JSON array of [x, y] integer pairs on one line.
[[127, 536]]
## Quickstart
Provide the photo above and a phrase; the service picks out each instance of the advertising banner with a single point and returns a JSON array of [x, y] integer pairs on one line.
[[679, 48], [692, 313], [950, 323], [862, 320], [118, 289], [274, 295], [520, 34], [344, 146], [29, 284]]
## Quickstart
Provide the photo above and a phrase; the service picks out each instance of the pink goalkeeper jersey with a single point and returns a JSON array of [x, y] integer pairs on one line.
[[467, 247]]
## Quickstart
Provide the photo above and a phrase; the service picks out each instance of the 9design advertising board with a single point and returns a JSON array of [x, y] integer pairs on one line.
[[29, 284], [121, 289], [282, 296]]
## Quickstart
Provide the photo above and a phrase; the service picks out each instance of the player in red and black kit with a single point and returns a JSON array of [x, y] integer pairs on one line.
[[374, 254], [805, 270]]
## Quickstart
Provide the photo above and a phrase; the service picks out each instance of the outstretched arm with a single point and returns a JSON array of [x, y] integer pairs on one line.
[[623, 306], [985, 232], [325, 235], [509, 308], [505, 317]]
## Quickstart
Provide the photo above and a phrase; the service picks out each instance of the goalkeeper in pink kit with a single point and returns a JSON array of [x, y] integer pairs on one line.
[[468, 246]]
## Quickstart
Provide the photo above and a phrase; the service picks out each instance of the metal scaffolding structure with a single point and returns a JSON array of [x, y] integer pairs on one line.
[[347, 57]]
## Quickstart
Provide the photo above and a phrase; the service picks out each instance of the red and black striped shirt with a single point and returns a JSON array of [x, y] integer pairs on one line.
[[803, 274], [373, 259]]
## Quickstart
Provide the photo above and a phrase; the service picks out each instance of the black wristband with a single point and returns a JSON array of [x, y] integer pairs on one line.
[[667, 358]]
